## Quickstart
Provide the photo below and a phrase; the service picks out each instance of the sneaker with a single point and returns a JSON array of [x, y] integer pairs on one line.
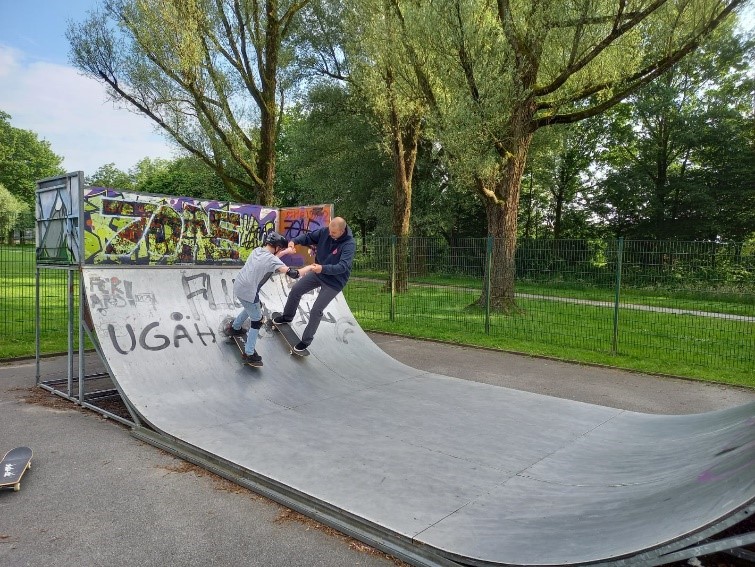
[[281, 320], [231, 332], [301, 346], [253, 358]]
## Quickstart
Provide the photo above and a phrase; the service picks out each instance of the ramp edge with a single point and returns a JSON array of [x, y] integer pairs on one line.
[[367, 532]]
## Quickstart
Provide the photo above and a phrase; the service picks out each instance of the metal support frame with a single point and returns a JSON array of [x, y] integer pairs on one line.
[[60, 246]]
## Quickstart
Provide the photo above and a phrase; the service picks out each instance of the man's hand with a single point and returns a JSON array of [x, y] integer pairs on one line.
[[316, 268]]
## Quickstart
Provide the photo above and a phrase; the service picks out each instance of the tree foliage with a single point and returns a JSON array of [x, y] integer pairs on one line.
[[24, 159], [330, 154], [11, 209], [495, 73], [679, 160], [209, 73]]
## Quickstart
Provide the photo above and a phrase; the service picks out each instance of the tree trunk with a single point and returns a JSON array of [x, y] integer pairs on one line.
[[502, 205], [404, 144], [266, 158], [269, 106]]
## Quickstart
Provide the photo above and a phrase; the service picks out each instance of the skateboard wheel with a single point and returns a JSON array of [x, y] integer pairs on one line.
[[16, 487]]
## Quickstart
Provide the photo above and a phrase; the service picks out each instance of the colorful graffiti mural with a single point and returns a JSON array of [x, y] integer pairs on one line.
[[122, 227], [299, 220]]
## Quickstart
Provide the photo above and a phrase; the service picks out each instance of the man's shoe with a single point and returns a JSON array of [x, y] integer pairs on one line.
[[231, 332], [300, 346], [281, 320]]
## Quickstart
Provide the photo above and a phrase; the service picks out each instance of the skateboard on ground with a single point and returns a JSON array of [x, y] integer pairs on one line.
[[289, 335], [240, 342], [13, 466]]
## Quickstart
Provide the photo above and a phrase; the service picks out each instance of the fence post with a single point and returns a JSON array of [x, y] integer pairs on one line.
[[393, 277], [617, 295], [488, 269], [37, 321]]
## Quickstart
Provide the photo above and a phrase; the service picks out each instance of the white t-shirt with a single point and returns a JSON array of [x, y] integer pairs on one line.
[[258, 268]]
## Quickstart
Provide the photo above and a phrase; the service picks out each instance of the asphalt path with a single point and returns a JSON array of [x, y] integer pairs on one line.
[[97, 496]]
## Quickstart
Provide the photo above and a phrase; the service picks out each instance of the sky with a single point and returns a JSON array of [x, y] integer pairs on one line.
[[43, 93]]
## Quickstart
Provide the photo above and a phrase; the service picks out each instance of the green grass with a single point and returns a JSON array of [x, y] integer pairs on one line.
[[17, 300], [703, 348]]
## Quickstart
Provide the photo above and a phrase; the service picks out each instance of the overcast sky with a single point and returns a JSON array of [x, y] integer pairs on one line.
[[42, 92]]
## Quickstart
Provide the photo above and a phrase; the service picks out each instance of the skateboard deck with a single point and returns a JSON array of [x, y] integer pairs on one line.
[[289, 335], [13, 466], [240, 342]]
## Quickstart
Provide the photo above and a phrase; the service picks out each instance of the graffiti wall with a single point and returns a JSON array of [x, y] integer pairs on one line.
[[294, 221], [122, 227], [300, 220]]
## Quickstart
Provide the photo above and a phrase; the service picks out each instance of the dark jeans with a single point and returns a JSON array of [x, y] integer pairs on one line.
[[306, 284]]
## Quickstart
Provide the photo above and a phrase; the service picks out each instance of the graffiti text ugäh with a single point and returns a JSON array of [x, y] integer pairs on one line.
[[150, 337]]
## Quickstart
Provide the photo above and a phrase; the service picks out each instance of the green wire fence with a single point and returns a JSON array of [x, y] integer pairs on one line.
[[683, 308]]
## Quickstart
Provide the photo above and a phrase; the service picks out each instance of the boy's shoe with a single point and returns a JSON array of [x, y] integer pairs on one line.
[[253, 358], [231, 332], [281, 320], [301, 346]]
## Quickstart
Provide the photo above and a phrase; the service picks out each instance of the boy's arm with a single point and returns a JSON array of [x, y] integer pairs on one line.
[[308, 238], [295, 273]]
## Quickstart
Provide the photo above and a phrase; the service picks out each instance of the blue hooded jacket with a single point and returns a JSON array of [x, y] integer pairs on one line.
[[334, 255]]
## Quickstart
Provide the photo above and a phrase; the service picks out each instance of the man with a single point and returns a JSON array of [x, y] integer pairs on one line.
[[262, 263], [334, 254]]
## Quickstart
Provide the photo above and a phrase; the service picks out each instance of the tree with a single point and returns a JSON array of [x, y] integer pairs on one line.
[[207, 72], [495, 73], [684, 146], [185, 176], [24, 159], [110, 176], [329, 153], [557, 179], [359, 43], [10, 210]]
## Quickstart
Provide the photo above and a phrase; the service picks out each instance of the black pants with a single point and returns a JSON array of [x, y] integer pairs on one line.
[[306, 284]]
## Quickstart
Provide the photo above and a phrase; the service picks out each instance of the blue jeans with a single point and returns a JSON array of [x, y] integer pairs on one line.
[[253, 311]]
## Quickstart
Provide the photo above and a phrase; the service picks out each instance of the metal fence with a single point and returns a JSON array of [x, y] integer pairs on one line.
[[17, 298], [684, 308]]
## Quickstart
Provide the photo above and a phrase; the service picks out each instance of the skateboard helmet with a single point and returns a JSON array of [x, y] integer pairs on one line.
[[276, 240]]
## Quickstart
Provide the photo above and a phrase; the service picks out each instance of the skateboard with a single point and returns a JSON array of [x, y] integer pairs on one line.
[[289, 335], [13, 466], [240, 342]]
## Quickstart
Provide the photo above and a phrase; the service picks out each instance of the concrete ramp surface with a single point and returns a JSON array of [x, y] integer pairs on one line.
[[444, 470]]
